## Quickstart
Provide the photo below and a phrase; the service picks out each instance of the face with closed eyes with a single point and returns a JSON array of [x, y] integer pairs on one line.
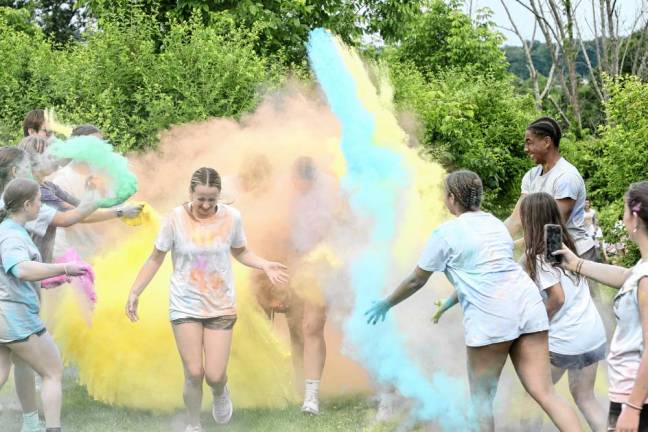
[[203, 201]]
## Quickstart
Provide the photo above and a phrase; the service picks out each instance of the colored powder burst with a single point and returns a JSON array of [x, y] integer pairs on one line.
[[377, 179], [137, 364], [99, 155]]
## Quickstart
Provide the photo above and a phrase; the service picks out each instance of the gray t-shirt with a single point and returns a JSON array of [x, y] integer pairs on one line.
[[563, 181], [19, 300]]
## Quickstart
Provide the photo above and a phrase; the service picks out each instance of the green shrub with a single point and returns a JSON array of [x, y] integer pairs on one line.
[[123, 80], [471, 121]]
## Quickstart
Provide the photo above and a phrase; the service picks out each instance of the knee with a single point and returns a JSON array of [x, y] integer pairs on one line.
[[313, 328], [54, 371], [541, 392], [194, 374], [216, 378]]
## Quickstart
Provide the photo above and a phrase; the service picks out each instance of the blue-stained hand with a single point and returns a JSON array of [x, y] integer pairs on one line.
[[377, 312]]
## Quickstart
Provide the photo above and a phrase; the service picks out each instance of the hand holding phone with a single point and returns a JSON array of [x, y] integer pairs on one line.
[[553, 241]]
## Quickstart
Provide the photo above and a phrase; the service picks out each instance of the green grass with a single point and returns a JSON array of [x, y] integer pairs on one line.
[[82, 414]]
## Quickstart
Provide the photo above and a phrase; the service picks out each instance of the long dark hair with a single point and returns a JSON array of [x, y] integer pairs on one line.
[[537, 210]]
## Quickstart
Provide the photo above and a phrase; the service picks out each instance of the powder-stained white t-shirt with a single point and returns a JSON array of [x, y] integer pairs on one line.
[[499, 300], [577, 327], [563, 181], [202, 284], [627, 344]]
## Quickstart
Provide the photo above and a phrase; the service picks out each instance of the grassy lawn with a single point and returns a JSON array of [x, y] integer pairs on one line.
[[82, 414]]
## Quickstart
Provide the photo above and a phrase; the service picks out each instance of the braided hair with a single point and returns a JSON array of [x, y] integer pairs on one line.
[[467, 188], [206, 177], [637, 199], [547, 127]]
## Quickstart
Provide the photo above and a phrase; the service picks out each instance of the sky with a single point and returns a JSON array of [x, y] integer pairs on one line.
[[524, 18]]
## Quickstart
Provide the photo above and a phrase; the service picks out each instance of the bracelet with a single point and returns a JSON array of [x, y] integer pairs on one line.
[[579, 266], [635, 407], [119, 212]]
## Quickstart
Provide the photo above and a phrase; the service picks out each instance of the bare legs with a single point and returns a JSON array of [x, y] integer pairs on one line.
[[530, 356], [194, 341]]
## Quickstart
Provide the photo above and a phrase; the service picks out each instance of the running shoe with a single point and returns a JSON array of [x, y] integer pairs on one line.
[[222, 407]]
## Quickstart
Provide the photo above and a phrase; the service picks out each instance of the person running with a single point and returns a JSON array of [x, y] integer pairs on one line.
[[627, 359], [201, 235], [577, 340], [22, 333], [503, 311]]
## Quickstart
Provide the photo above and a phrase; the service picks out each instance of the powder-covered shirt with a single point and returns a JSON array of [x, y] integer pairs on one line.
[[202, 284], [56, 198], [19, 300], [577, 327], [84, 238], [627, 344], [499, 300], [563, 181]]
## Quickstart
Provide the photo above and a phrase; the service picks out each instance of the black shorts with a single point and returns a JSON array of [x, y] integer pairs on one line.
[[40, 332], [225, 322], [578, 361], [615, 413]]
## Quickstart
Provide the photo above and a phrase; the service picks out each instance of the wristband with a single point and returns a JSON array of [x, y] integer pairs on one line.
[[634, 407]]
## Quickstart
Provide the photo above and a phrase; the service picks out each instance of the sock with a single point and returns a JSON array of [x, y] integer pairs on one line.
[[31, 419], [311, 389]]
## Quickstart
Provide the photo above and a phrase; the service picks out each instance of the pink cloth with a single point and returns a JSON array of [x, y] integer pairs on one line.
[[84, 282]]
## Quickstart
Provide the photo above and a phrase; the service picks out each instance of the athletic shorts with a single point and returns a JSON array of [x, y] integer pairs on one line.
[[225, 322], [615, 413], [40, 332], [578, 361]]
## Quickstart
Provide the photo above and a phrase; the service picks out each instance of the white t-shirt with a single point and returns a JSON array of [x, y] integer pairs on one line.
[[627, 344], [563, 181], [202, 284], [499, 300], [577, 327], [85, 238]]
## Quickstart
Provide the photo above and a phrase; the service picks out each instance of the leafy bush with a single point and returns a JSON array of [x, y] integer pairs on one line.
[[121, 79], [445, 37], [471, 121], [619, 157]]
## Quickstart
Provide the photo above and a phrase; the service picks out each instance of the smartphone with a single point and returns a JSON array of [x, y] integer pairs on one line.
[[553, 242]]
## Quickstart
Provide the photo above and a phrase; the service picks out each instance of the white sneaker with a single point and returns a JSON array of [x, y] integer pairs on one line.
[[311, 405], [37, 426], [25, 428], [222, 407], [194, 428]]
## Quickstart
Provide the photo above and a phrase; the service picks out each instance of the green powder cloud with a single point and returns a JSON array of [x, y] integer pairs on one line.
[[100, 156]]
